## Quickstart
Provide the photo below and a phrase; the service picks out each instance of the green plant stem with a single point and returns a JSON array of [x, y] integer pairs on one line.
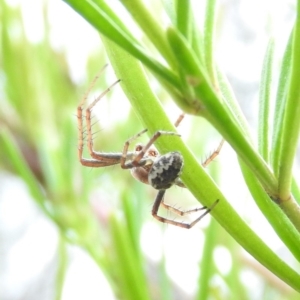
[[278, 220], [183, 20], [279, 110], [212, 108], [291, 122], [292, 210], [151, 114]]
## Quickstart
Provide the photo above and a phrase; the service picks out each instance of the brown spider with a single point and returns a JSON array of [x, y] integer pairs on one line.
[[146, 164]]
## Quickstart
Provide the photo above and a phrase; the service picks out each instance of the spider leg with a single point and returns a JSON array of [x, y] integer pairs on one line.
[[84, 161], [179, 211], [91, 162], [159, 201], [179, 119], [139, 160], [213, 155], [110, 159], [205, 163], [98, 159], [179, 182], [92, 85], [125, 156], [152, 140]]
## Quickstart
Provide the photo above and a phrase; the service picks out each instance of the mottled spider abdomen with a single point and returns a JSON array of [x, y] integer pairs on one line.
[[165, 170]]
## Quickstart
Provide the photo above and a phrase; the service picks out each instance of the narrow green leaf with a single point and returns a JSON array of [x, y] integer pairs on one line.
[[281, 97], [208, 39], [264, 102], [291, 121]]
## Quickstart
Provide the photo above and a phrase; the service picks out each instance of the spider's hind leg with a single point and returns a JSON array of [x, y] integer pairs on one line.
[[159, 201]]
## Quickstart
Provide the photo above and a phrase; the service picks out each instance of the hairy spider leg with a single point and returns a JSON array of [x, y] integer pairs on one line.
[[213, 155], [181, 184], [179, 119], [180, 212], [159, 201], [85, 161], [109, 158], [98, 159]]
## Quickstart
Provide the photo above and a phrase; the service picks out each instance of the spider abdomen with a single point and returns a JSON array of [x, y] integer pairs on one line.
[[165, 170]]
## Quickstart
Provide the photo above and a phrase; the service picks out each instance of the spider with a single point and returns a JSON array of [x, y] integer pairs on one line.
[[145, 163]]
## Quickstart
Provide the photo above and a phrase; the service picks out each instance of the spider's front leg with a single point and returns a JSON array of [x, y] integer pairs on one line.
[[107, 159], [85, 161], [98, 159]]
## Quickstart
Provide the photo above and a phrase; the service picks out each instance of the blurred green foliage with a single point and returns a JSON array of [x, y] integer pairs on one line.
[[102, 210]]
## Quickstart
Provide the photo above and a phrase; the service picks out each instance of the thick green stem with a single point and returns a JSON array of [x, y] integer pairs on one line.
[[199, 183]]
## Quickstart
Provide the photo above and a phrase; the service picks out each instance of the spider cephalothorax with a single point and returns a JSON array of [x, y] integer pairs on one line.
[[145, 162]]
